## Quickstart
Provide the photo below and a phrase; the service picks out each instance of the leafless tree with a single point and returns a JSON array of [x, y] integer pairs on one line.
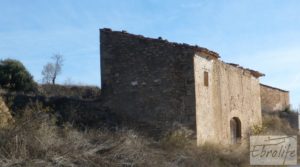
[[52, 70], [48, 73]]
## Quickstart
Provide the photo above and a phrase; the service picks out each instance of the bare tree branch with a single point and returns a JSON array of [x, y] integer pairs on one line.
[[52, 70]]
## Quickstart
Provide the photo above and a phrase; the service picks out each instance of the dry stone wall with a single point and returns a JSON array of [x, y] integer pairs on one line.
[[274, 99], [149, 80]]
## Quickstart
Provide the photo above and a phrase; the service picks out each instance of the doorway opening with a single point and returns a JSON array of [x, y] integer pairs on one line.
[[235, 130]]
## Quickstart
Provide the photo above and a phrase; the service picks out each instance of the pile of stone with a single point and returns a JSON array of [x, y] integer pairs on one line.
[[5, 115]]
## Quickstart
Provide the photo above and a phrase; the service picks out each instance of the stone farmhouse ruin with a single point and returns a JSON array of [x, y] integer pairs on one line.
[[161, 83]]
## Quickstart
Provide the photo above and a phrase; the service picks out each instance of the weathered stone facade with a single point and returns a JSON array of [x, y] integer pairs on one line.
[[161, 83], [274, 99], [232, 93]]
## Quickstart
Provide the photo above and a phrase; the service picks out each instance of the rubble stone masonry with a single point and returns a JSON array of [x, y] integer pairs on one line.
[[161, 83], [274, 99]]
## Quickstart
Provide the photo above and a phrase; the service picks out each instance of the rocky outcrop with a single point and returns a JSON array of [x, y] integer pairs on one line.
[[5, 115]]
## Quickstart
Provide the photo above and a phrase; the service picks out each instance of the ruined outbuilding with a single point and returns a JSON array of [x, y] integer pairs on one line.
[[161, 83], [274, 99]]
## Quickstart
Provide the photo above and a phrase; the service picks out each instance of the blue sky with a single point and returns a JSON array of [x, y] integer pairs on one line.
[[263, 35]]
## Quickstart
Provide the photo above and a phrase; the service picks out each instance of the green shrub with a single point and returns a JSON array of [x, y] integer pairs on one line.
[[15, 77], [257, 129]]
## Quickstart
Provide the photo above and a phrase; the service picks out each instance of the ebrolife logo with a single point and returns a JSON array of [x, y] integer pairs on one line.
[[273, 150]]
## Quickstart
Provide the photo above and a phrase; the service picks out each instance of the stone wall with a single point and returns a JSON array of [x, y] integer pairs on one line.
[[160, 83], [273, 99], [232, 92], [148, 80]]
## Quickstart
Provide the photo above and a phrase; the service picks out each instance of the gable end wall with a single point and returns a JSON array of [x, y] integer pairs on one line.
[[148, 80]]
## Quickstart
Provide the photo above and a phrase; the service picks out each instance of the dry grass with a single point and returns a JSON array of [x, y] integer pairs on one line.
[[275, 125], [35, 140]]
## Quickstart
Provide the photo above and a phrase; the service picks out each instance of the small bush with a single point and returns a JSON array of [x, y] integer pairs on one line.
[[257, 129], [15, 77]]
